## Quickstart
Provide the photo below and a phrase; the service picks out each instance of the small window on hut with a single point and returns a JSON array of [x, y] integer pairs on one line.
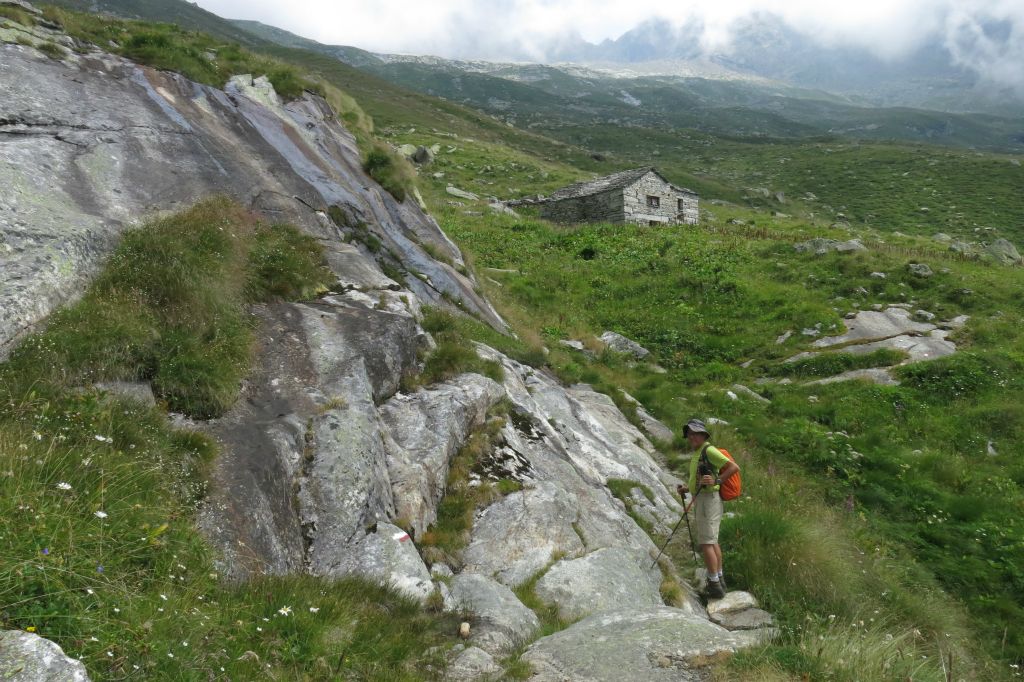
[[682, 205], [653, 202]]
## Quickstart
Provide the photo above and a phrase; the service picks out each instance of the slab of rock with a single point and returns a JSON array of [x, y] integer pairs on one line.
[[503, 622], [876, 375], [658, 644], [737, 600], [621, 344], [423, 431], [745, 619], [27, 657], [1002, 251], [113, 142], [472, 665], [870, 325], [918, 348], [782, 338], [386, 555], [460, 193], [517, 536], [572, 344], [611, 579], [750, 393]]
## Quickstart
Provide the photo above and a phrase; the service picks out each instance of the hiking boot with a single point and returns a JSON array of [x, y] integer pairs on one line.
[[714, 590], [721, 581]]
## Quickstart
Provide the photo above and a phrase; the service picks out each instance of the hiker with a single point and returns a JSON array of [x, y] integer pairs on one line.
[[707, 503]]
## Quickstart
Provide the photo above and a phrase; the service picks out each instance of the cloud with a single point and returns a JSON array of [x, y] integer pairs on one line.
[[984, 35]]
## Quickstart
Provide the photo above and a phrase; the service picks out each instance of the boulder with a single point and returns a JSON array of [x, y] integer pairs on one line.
[[422, 155], [423, 431], [961, 247], [610, 579], [472, 665], [656, 644], [407, 150], [502, 624], [460, 193], [750, 393], [27, 657], [737, 600], [870, 325], [517, 536], [621, 344], [1002, 251], [876, 375], [919, 269], [747, 619], [386, 555]]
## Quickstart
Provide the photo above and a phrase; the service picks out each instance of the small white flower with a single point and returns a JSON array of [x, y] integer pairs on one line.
[[63, 486], [259, 629], [185, 644], [164, 597], [314, 609], [101, 514], [110, 653], [285, 610], [103, 439], [37, 435]]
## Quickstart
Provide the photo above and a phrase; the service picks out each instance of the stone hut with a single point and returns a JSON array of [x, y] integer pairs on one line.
[[642, 196]]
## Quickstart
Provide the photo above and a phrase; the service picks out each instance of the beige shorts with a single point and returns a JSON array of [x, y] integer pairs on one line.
[[708, 512]]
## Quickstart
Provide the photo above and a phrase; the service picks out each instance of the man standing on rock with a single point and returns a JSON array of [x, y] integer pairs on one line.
[[707, 503]]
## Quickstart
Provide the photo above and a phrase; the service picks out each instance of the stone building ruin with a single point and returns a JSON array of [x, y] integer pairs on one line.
[[642, 196]]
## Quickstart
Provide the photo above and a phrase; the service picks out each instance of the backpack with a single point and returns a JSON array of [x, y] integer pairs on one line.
[[731, 488]]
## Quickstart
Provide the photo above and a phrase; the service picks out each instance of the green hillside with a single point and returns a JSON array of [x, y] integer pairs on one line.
[[877, 526]]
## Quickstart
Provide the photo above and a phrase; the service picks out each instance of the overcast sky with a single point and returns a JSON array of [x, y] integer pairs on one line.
[[497, 28]]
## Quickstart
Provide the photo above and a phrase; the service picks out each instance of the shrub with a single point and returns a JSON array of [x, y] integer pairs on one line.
[[391, 172]]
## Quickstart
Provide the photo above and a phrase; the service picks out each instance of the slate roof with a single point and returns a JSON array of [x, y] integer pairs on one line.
[[619, 180]]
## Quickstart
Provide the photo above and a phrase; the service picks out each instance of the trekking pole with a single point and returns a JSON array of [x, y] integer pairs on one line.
[[686, 515]]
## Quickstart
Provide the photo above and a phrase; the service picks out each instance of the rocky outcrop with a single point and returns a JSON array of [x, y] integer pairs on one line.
[[609, 579], [88, 128], [635, 645], [1004, 252], [27, 657], [502, 622], [423, 431], [621, 344]]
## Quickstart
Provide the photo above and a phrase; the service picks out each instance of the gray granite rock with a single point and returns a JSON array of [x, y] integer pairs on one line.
[[746, 619], [139, 392], [1004, 252], [388, 556], [871, 325], [621, 344], [27, 657], [658, 644], [461, 193], [472, 664], [112, 143], [517, 536], [876, 375], [610, 579], [920, 270], [736, 600], [423, 431], [502, 622]]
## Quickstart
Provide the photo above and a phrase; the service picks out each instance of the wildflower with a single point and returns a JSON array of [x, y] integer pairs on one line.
[[285, 610], [63, 486], [101, 514], [314, 609], [110, 653], [30, 628], [164, 597], [99, 568], [170, 655], [259, 629], [37, 435], [103, 439], [46, 551], [184, 644]]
